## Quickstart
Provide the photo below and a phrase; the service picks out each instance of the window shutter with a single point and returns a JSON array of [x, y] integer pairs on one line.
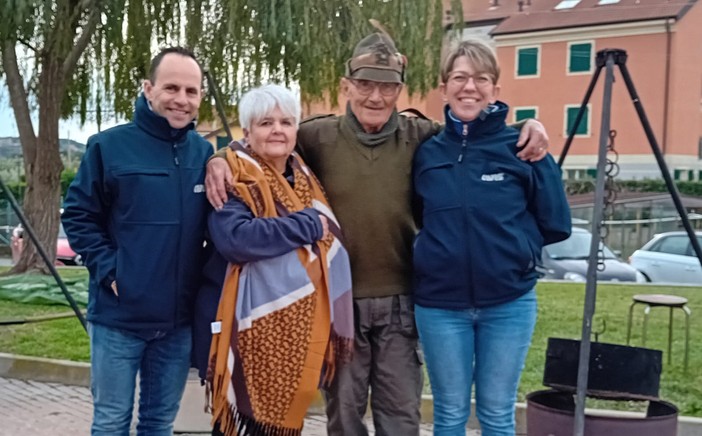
[[528, 61], [580, 57], [523, 114], [572, 112]]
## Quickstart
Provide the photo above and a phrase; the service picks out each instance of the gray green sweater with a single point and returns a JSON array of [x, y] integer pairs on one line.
[[370, 191]]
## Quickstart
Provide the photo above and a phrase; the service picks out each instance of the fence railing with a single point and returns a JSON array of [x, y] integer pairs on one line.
[[8, 221]]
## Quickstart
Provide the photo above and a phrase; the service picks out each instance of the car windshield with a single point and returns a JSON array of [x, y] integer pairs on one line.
[[577, 246]]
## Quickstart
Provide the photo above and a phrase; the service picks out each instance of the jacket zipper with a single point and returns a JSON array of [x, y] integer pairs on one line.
[[175, 154], [464, 142], [468, 271], [180, 212]]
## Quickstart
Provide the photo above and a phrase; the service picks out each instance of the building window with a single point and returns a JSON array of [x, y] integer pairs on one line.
[[580, 57], [683, 174], [566, 4], [571, 113], [607, 2], [580, 173], [524, 113], [527, 61]]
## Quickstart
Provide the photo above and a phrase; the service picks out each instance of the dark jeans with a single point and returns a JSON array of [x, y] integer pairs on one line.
[[387, 360]]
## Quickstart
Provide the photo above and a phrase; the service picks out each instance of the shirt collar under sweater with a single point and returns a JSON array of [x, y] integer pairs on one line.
[[156, 125], [371, 139], [491, 120]]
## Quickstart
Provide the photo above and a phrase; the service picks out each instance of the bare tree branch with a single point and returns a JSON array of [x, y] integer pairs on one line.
[[78, 6], [28, 44], [86, 33], [18, 95]]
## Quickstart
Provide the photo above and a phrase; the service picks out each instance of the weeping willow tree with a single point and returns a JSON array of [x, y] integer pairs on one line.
[[89, 57]]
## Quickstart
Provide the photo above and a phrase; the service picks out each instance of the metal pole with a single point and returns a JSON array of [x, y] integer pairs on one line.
[[659, 157], [591, 284], [579, 117], [28, 229], [39, 318], [218, 104]]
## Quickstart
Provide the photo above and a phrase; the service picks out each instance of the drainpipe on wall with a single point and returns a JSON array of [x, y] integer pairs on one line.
[[666, 96]]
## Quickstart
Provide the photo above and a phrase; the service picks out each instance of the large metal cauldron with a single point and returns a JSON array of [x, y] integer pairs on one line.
[[551, 413], [616, 372]]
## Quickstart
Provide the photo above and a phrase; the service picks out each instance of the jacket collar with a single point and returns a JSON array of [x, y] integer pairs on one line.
[[156, 125], [491, 120]]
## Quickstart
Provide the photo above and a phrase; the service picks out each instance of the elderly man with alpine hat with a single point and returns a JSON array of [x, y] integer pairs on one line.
[[364, 159]]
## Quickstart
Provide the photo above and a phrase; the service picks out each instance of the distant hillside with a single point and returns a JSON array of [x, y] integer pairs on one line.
[[10, 147]]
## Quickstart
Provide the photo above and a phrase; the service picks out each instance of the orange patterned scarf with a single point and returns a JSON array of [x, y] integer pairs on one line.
[[286, 322]]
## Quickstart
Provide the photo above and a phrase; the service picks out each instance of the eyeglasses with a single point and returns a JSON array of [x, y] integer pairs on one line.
[[367, 87], [461, 79]]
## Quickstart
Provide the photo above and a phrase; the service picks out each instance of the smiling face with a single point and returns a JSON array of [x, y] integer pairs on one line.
[[372, 109], [176, 91], [468, 91], [273, 137]]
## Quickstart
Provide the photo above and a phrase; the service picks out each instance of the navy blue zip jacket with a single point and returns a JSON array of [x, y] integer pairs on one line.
[[136, 213], [485, 214]]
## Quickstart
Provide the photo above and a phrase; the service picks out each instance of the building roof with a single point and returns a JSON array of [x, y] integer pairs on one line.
[[541, 15]]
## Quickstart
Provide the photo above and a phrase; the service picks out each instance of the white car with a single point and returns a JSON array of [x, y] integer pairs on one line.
[[670, 258], [568, 260]]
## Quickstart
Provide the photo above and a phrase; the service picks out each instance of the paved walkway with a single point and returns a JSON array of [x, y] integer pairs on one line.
[[33, 408]]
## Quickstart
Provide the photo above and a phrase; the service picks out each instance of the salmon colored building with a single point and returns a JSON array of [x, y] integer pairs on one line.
[[547, 50], [214, 132]]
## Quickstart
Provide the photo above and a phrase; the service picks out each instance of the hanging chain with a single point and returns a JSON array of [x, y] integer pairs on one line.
[[611, 189]]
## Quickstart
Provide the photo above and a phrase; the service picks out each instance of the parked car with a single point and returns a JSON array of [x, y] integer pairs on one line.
[[567, 260], [668, 257], [64, 253]]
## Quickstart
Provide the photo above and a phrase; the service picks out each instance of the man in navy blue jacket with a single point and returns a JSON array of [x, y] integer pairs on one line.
[[136, 214]]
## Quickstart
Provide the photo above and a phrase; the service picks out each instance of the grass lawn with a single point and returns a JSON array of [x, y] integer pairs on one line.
[[560, 315], [59, 339]]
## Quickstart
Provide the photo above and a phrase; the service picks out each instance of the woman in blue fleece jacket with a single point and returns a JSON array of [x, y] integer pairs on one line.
[[486, 215]]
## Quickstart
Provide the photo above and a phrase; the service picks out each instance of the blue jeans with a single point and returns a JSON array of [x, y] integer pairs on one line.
[[162, 359], [486, 346]]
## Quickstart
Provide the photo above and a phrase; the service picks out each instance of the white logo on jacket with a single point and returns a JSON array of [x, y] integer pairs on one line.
[[497, 177], [199, 188]]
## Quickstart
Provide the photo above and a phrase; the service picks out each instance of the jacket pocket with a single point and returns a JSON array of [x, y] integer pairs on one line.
[[147, 268], [439, 247], [438, 187], [147, 195], [526, 254]]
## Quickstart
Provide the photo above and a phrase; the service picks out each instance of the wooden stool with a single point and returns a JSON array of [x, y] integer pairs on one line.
[[661, 300]]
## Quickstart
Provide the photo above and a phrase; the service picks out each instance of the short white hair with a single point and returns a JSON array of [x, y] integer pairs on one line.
[[259, 102]]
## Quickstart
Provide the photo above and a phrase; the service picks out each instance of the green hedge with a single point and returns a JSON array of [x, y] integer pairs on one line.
[[67, 177], [18, 188]]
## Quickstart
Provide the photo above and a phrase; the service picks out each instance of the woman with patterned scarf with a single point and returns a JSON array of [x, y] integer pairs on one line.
[[285, 317]]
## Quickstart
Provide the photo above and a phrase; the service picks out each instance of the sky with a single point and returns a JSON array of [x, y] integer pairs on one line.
[[69, 129]]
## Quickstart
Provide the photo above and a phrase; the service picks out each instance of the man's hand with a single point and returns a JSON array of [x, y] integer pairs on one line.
[[218, 176], [534, 139], [113, 285]]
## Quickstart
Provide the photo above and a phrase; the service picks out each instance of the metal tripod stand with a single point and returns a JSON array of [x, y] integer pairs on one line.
[[42, 252], [607, 59]]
